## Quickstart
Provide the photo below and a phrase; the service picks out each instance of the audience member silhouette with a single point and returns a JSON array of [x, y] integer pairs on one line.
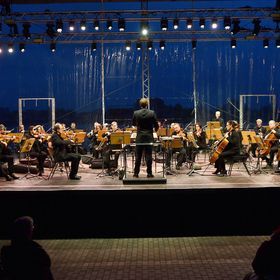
[[266, 263], [25, 258]]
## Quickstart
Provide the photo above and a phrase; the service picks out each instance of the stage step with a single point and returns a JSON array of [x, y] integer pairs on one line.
[[144, 180]]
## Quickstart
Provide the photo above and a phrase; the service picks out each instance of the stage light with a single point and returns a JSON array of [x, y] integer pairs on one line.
[[175, 23], [138, 46], [121, 25], [1, 50], [93, 46], [22, 47], [71, 25], [202, 23], [162, 45], [50, 30], [10, 48], [144, 28], [109, 24], [189, 23], [26, 30], [59, 26], [277, 42], [233, 43], [257, 27], [128, 45], [83, 25], [214, 24], [194, 43], [53, 47], [266, 43], [227, 23], [150, 45], [96, 25], [236, 27], [164, 24]]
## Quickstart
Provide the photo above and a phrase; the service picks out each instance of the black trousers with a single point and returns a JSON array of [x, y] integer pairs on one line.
[[10, 160], [74, 159], [40, 158], [180, 158], [220, 162], [140, 149]]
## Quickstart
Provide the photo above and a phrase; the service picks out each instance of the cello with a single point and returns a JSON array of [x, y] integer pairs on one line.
[[268, 140], [218, 149]]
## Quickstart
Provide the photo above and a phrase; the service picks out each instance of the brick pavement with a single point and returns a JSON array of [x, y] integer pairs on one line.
[[187, 258]]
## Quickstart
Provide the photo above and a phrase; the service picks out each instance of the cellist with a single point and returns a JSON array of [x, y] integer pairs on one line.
[[272, 143], [231, 149]]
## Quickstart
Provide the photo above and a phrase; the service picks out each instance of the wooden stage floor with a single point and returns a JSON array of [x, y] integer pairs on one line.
[[180, 180]]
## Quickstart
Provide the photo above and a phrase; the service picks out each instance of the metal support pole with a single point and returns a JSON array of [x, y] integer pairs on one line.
[[19, 112], [53, 112], [241, 111], [194, 86], [102, 72]]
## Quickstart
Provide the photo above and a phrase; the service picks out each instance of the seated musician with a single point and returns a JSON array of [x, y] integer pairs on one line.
[[109, 148], [177, 133], [200, 142], [260, 130], [274, 144], [218, 118], [231, 149], [61, 154], [6, 156], [39, 148], [95, 142]]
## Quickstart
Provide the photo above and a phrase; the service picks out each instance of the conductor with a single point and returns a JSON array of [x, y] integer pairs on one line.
[[145, 120]]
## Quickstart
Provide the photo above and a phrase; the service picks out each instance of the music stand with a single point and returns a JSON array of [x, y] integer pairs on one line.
[[26, 148], [260, 143]]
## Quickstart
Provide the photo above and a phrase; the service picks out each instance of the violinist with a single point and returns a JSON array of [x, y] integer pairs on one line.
[[260, 130], [232, 148], [60, 153], [93, 136], [39, 149], [177, 133], [6, 156], [200, 142], [273, 143]]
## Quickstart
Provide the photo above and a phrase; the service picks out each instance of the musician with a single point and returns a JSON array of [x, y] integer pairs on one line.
[[177, 133], [218, 118], [60, 152], [95, 142], [260, 130], [39, 149], [232, 148], [200, 142], [73, 126], [6, 156], [275, 143], [145, 120], [21, 128]]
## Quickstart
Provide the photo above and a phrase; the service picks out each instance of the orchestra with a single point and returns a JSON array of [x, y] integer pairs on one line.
[[181, 144]]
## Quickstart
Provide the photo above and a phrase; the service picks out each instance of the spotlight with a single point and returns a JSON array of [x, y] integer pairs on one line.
[[121, 25], [214, 24], [26, 30], [1, 50], [109, 24], [71, 25], [150, 45], [10, 48], [277, 42], [128, 45], [144, 28], [189, 23], [22, 47], [83, 25], [227, 23], [50, 30], [257, 27], [266, 43], [59, 26], [53, 47], [202, 23], [233, 43], [162, 45], [194, 43], [175, 23], [236, 27], [96, 25], [93, 47], [164, 24], [138, 46]]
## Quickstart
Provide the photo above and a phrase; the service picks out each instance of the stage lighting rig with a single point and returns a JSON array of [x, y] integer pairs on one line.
[[227, 23], [214, 23], [22, 47], [236, 27], [83, 25], [257, 27], [164, 24], [109, 24], [26, 30], [1, 50], [138, 46], [128, 45], [121, 24], [96, 25], [144, 28], [202, 23], [162, 45], [233, 43], [277, 43], [59, 26], [10, 48], [175, 23], [189, 23], [93, 46], [50, 30], [71, 25], [53, 47], [194, 44], [150, 45], [265, 43]]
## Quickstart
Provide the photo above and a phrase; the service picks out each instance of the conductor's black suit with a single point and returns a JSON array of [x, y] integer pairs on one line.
[[145, 120]]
